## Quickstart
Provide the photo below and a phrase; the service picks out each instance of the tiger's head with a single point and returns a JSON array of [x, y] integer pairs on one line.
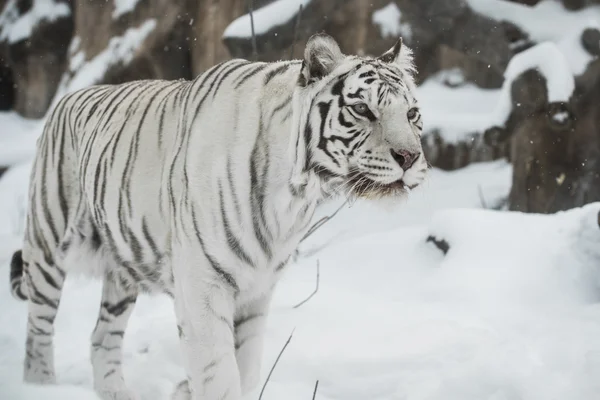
[[362, 127]]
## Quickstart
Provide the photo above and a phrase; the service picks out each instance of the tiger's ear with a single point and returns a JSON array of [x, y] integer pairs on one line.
[[393, 54], [321, 55]]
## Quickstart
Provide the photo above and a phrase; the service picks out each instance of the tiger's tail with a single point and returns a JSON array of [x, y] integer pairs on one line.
[[16, 276]]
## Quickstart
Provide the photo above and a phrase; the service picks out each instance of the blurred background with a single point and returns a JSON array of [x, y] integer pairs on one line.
[[518, 80]]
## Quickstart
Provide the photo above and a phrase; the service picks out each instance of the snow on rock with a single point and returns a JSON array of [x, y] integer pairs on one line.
[[15, 27], [123, 7], [121, 49], [389, 19], [550, 62], [456, 112], [548, 20], [265, 18], [570, 45]]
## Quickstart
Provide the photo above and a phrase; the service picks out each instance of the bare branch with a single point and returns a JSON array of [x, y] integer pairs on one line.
[[254, 48], [296, 27], [481, 198], [320, 222], [315, 392], [275, 365], [316, 288]]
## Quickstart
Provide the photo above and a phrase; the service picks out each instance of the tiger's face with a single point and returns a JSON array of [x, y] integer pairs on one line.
[[364, 126]]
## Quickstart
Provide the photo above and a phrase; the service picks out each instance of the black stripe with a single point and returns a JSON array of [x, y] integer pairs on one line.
[[239, 344], [182, 129], [274, 72], [61, 160], [324, 109], [226, 74], [45, 201], [342, 120], [47, 277], [210, 366], [249, 75], [286, 102], [232, 241], [256, 194], [136, 146], [234, 196], [225, 65], [149, 239], [224, 275], [39, 298], [356, 94], [119, 308], [366, 74], [97, 346], [239, 322]]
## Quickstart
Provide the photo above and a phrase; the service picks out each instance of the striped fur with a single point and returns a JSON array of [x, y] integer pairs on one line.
[[202, 190]]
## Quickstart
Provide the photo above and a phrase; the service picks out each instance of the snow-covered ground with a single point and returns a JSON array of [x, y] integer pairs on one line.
[[510, 313]]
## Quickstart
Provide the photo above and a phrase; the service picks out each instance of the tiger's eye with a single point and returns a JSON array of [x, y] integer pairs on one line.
[[412, 113], [360, 108]]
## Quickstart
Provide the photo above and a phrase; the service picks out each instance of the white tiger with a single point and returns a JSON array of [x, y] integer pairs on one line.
[[203, 190]]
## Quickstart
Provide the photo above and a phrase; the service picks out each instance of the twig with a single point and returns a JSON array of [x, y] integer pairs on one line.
[[316, 288], [275, 364], [320, 222], [254, 48], [315, 392], [481, 198], [296, 27]]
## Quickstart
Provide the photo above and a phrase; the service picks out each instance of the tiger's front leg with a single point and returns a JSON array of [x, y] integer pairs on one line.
[[249, 324], [204, 305]]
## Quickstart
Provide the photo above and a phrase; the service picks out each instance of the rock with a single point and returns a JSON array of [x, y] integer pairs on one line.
[[7, 87], [163, 54], [36, 61], [590, 40], [555, 147]]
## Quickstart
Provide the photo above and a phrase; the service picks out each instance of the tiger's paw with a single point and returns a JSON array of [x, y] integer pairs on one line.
[[123, 394], [182, 391]]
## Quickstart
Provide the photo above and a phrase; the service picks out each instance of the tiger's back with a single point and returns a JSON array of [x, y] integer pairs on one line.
[[109, 146]]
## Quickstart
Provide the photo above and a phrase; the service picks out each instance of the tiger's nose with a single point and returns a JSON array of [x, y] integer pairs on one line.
[[404, 158]]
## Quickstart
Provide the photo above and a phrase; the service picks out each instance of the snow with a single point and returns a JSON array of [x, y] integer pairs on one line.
[[15, 27], [547, 59], [17, 140], [570, 45], [265, 18], [389, 19], [509, 313], [548, 20], [123, 7], [455, 111], [561, 116]]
